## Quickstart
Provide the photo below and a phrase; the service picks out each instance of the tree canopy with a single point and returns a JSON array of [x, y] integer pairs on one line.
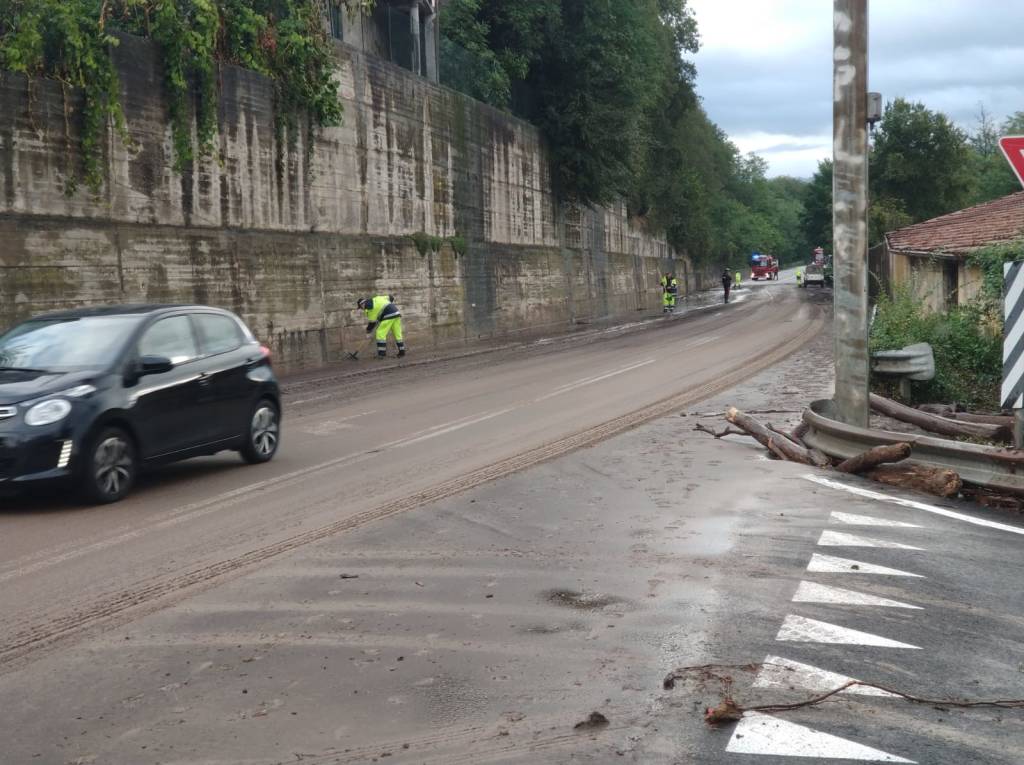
[[613, 91]]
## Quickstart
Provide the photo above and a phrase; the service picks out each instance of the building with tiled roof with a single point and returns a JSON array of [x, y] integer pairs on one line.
[[931, 255]]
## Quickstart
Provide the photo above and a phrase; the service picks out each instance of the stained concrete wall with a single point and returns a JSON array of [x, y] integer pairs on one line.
[[289, 233]]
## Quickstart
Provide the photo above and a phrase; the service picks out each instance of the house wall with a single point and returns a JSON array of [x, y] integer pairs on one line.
[[289, 232]]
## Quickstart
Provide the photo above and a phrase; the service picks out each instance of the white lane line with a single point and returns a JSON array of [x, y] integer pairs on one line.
[[867, 493], [850, 519], [758, 733], [842, 539], [812, 592], [799, 629], [699, 343], [591, 380], [441, 430], [777, 672], [334, 425], [830, 564]]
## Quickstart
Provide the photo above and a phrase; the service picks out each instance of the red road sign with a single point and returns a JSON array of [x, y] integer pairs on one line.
[[1013, 150]]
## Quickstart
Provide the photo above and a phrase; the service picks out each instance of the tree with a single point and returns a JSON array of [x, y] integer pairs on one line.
[[816, 219], [991, 176], [920, 160]]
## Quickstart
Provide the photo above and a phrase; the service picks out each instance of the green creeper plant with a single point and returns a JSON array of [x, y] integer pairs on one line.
[[71, 41]]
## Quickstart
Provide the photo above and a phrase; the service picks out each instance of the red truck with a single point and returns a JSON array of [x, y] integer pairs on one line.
[[763, 267]]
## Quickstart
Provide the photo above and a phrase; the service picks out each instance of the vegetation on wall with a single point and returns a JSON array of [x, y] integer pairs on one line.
[[71, 41]]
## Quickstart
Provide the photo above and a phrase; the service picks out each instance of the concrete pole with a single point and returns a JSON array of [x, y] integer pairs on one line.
[[414, 28], [850, 206]]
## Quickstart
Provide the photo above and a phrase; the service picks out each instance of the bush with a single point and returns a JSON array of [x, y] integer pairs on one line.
[[968, 353]]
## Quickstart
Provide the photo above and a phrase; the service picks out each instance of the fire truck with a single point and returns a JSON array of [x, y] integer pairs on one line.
[[763, 267]]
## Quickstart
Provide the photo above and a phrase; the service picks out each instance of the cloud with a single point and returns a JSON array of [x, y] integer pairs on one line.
[[765, 68]]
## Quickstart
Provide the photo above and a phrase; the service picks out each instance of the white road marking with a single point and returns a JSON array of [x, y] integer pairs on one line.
[[591, 380], [850, 519], [333, 426], [702, 341], [867, 493], [440, 430], [763, 734], [829, 564], [800, 629], [812, 592], [777, 672], [842, 539]]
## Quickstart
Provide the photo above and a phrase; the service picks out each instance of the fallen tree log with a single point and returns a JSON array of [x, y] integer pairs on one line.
[[941, 425], [941, 482], [873, 457], [777, 443], [951, 412]]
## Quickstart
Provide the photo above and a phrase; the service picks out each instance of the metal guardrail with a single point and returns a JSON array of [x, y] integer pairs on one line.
[[993, 467], [915, 362]]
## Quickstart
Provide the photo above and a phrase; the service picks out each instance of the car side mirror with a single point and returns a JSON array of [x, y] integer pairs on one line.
[[154, 365]]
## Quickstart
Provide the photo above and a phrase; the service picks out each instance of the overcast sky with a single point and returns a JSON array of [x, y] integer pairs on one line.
[[765, 67]]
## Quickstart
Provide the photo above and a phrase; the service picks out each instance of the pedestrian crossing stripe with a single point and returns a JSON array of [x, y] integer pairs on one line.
[[1012, 393], [758, 733]]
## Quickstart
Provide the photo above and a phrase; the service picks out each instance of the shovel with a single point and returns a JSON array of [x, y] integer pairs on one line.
[[354, 355]]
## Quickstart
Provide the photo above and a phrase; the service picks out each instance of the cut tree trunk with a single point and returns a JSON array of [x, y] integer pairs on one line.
[[777, 443], [873, 457], [941, 425], [950, 412], [941, 482]]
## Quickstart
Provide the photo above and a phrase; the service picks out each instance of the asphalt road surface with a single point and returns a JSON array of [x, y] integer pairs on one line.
[[462, 583], [359, 448]]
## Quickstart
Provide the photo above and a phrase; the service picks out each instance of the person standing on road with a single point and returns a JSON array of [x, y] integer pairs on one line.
[[726, 283], [385, 318], [669, 290], [739, 278], [799, 277]]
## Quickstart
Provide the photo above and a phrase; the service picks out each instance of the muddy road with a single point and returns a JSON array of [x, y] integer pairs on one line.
[[363, 446]]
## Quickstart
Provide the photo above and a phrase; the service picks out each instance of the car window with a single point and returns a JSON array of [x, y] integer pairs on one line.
[[63, 345], [219, 333], [171, 338]]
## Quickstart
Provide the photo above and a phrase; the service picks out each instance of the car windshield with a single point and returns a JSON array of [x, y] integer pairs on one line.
[[65, 345]]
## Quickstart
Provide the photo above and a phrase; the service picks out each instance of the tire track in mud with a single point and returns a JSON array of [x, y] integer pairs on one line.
[[157, 593]]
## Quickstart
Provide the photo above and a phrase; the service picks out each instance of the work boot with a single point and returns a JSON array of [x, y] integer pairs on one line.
[[401, 352]]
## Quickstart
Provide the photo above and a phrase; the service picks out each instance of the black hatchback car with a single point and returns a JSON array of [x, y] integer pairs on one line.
[[93, 395]]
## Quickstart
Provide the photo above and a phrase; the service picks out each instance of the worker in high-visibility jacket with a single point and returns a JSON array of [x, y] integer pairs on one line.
[[669, 291], [799, 277], [385, 319], [738, 277]]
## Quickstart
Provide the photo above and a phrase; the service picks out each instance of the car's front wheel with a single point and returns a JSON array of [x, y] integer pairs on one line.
[[111, 466], [264, 433]]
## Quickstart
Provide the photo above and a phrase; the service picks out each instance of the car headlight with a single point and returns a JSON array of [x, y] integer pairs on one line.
[[48, 412]]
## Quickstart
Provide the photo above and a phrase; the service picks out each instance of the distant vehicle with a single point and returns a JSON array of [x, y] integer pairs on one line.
[[93, 395], [763, 267], [814, 274]]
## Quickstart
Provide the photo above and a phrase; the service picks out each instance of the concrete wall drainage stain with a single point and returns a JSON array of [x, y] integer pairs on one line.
[[290, 244]]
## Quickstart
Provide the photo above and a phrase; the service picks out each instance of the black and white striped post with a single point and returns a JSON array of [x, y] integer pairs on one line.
[[1012, 394]]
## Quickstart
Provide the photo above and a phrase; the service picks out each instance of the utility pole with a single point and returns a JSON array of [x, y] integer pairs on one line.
[[850, 209]]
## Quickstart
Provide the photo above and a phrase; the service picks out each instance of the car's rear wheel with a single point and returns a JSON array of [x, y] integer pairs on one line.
[[111, 466], [264, 435]]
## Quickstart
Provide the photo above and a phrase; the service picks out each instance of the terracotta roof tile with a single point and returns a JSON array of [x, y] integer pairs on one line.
[[1001, 220]]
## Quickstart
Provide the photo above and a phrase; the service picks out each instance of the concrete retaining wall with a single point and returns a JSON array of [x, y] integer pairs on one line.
[[289, 234]]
